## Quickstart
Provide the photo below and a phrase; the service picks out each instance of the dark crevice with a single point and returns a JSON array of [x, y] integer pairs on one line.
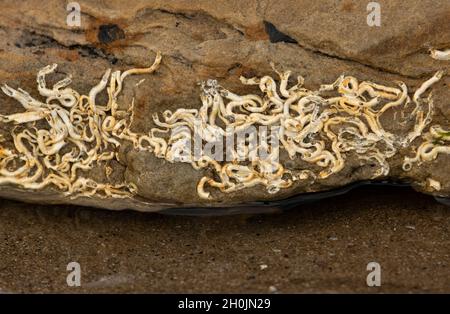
[[233, 68], [93, 52], [109, 33], [40, 41], [275, 36]]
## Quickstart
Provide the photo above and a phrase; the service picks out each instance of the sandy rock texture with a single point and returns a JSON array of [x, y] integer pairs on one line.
[[223, 40]]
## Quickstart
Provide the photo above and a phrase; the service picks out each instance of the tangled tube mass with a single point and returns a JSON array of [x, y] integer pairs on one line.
[[319, 127], [79, 134]]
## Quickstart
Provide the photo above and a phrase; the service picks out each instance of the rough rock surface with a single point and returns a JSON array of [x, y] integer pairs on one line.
[[223, 40]]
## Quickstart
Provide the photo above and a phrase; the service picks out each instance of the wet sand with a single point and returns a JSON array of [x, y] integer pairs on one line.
[[319, 247]]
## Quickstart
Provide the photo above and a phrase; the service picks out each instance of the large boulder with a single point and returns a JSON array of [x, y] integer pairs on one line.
[[224, 40]]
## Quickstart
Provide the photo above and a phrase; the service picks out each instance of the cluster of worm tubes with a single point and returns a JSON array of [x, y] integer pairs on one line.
[[320, 127], [79, 134]]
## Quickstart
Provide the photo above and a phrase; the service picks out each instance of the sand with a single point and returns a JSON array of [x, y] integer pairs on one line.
[[320, 247]]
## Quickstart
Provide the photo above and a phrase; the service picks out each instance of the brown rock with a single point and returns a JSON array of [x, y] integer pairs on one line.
[[319, 40]]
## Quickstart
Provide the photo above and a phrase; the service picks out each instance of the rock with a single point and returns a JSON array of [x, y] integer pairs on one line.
[[223, 40]]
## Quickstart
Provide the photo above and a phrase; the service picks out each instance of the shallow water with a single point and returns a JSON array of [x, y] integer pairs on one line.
[[281, 205]]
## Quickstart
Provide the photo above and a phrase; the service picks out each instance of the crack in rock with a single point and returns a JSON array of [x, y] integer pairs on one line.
[[275, 36], [109, 33], [34, 40]]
